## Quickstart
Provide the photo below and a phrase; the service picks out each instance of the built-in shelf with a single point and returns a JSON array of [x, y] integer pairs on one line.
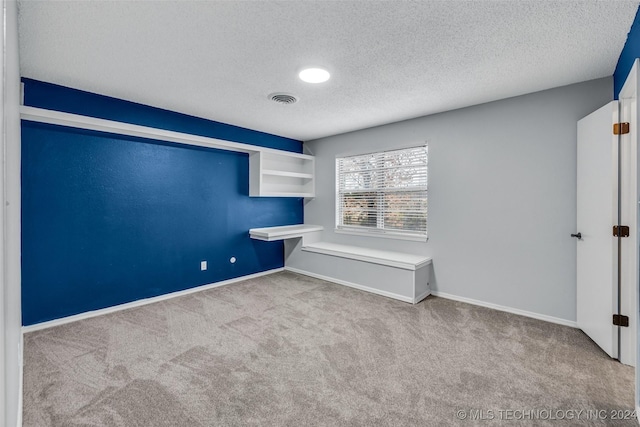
[[288, 174], [270, 234], [281, 174], [272, 173]]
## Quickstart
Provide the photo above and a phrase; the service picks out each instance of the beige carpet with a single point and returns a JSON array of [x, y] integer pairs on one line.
[[288, 350]]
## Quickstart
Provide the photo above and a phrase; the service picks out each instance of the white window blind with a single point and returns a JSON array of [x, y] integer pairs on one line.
[[384, 192]]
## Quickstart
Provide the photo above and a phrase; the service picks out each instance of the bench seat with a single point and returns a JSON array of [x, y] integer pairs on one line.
[[375, 256], [392, 274]]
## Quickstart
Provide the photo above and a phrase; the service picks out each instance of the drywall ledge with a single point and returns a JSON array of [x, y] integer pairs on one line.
[[41, 115]]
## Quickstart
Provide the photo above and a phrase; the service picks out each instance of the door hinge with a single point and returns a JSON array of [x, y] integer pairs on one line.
[[621, 231], [620, 320], [620, 128]]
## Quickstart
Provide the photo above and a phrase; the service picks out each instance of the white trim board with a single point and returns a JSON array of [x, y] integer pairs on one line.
[[356, 286], [374, 256], [422, 296], [138, 303], [41, 115], [141, 302], [506, 309], [21, 381]]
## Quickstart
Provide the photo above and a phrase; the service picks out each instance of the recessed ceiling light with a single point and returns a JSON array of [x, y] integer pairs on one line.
[[314, 75]]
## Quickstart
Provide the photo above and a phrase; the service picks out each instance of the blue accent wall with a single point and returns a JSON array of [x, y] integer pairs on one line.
[[54, 97], [630, 52], [108, 219]]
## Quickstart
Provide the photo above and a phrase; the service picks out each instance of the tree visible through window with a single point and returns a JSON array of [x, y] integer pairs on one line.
[[384, 192]]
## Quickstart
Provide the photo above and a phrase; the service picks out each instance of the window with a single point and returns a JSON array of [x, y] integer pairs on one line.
[[383, 193]]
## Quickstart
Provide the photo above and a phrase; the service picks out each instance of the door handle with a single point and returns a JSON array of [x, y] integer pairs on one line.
[[577, 235]]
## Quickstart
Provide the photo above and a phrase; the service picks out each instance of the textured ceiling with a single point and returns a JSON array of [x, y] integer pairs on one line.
[[389, 60]]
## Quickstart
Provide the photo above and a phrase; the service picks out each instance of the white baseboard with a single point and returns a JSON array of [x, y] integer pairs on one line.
[[525, 313], [352, 285], [145, 301], [21, 381], [422, 296]]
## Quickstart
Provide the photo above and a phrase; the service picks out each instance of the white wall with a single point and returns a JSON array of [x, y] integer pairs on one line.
[[10, 313], [502, 195]]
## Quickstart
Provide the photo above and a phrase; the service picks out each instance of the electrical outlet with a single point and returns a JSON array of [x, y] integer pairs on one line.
[[203, 265]]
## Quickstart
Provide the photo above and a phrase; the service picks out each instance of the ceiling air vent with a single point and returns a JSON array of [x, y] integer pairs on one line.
[[283, 98]]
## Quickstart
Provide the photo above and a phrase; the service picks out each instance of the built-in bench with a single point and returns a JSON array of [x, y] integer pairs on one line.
[[393, 274], [392, 259]]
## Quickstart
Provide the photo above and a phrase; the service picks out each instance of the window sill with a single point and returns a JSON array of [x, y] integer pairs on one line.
[[382, 235]]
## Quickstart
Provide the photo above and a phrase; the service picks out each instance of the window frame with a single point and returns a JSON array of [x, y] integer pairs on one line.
[[379, 232]]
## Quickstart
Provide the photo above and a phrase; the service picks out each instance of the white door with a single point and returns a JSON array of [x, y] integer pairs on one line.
[[597, 212], [629, 208]]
